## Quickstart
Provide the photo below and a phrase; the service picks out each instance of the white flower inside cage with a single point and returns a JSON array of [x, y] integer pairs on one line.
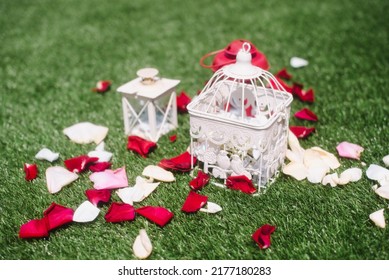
[[242, 115]]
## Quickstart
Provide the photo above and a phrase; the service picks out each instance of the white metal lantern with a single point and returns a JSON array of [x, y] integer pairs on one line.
[[149, 105], [239, 122]]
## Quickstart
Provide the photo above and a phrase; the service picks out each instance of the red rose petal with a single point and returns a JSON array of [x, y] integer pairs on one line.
[[34, 229], [194, 202], [306, 114], [200, 181], [31, 171], [159, 215], [139, 145], [182, 101], [305, 96], [181, 162], [301, 131], [97, 196], [102, 86], [173, 138], [283, 74], [287, 87], [262, 236], [99, 166], [120, 212], [240, 183], [58, 215], [80, 163]]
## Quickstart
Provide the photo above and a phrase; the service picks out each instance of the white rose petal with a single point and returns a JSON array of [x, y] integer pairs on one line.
[[158, 173], [377, 173], [383, 191], [102, 155], [386, 160], [86, 132], [352, 174], [211, 208], [298, 62], [86, 212], [57, 177], [378, 218], [46, 154], [331, 179], [142, 246]]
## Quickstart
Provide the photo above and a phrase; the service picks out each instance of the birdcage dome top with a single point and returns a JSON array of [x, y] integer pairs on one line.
[[242, 93]]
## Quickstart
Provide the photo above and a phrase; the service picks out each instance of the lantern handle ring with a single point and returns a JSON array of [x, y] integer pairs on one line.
[[246, 47]]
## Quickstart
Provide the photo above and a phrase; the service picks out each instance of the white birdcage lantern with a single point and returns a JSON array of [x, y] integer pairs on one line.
[[239, 122], [149, 105]]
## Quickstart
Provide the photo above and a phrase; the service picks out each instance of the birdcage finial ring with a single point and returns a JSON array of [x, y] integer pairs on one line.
[[246, 47]]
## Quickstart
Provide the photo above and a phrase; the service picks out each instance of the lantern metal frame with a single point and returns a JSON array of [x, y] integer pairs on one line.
[[149, 105], [239, 122]]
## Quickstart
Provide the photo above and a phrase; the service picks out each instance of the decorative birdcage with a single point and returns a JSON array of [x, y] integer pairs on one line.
[[149, 105], [239, 122]]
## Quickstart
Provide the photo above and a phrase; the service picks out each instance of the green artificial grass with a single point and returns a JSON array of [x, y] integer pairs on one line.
[[53, 53]]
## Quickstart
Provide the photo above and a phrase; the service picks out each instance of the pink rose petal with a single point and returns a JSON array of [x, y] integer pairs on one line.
[[120, 212], [349, 150], [31, 171], [240, 183], [194, 202], [200, 181], [159, 215], [97, 196], [262, 236], [58, 215], [80, 163], [109, 179], [34, 229], [302, 131], [306, 114]]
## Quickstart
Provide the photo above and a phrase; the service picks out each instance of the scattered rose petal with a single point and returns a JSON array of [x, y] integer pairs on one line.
[[349, 150], [306, 114], [120, 212], [57, 215], [194, 202], [240, 183], [79, 164], [180, 163], [302, 131], [283, 74], [34, 229], [46, 154], [295, 146], [200, 181], [316, 174], [385, 159], [298, 62], [129, 194], [211, 208], [374, 187], [182, 101], [142, 246], [313, 154], [145, 187], [383, 191], [159, 215], [31, 171], [377, 173], [294, 157], [86, 212], [262, 236], [285, 86], [102, 156], [100, 146], [295, 169], [158, 173], [109, 179], [305, 96], [97, 196], [173, 138], [139, 145], [99, 166], [331, 179], [378, 218], [352, 174], [57, 177], [86, 132], [102, 86]]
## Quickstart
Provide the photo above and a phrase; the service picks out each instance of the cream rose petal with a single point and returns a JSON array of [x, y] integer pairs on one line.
[[46, 154], [293, 156], [294, 145], [57, 177], [127, 195], [145, 187], [100, 147], [296, 170], [103, 156], [86, 212], [378, 218], [385, 159], [351, 175], [377, 173], [158, 173], [327, 157], [211, 208], [316, 174], [383, 192], [86, 132], [142, 246], [331, 179]]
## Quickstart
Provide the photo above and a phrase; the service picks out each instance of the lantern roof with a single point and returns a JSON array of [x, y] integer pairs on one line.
[[148, 85]]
